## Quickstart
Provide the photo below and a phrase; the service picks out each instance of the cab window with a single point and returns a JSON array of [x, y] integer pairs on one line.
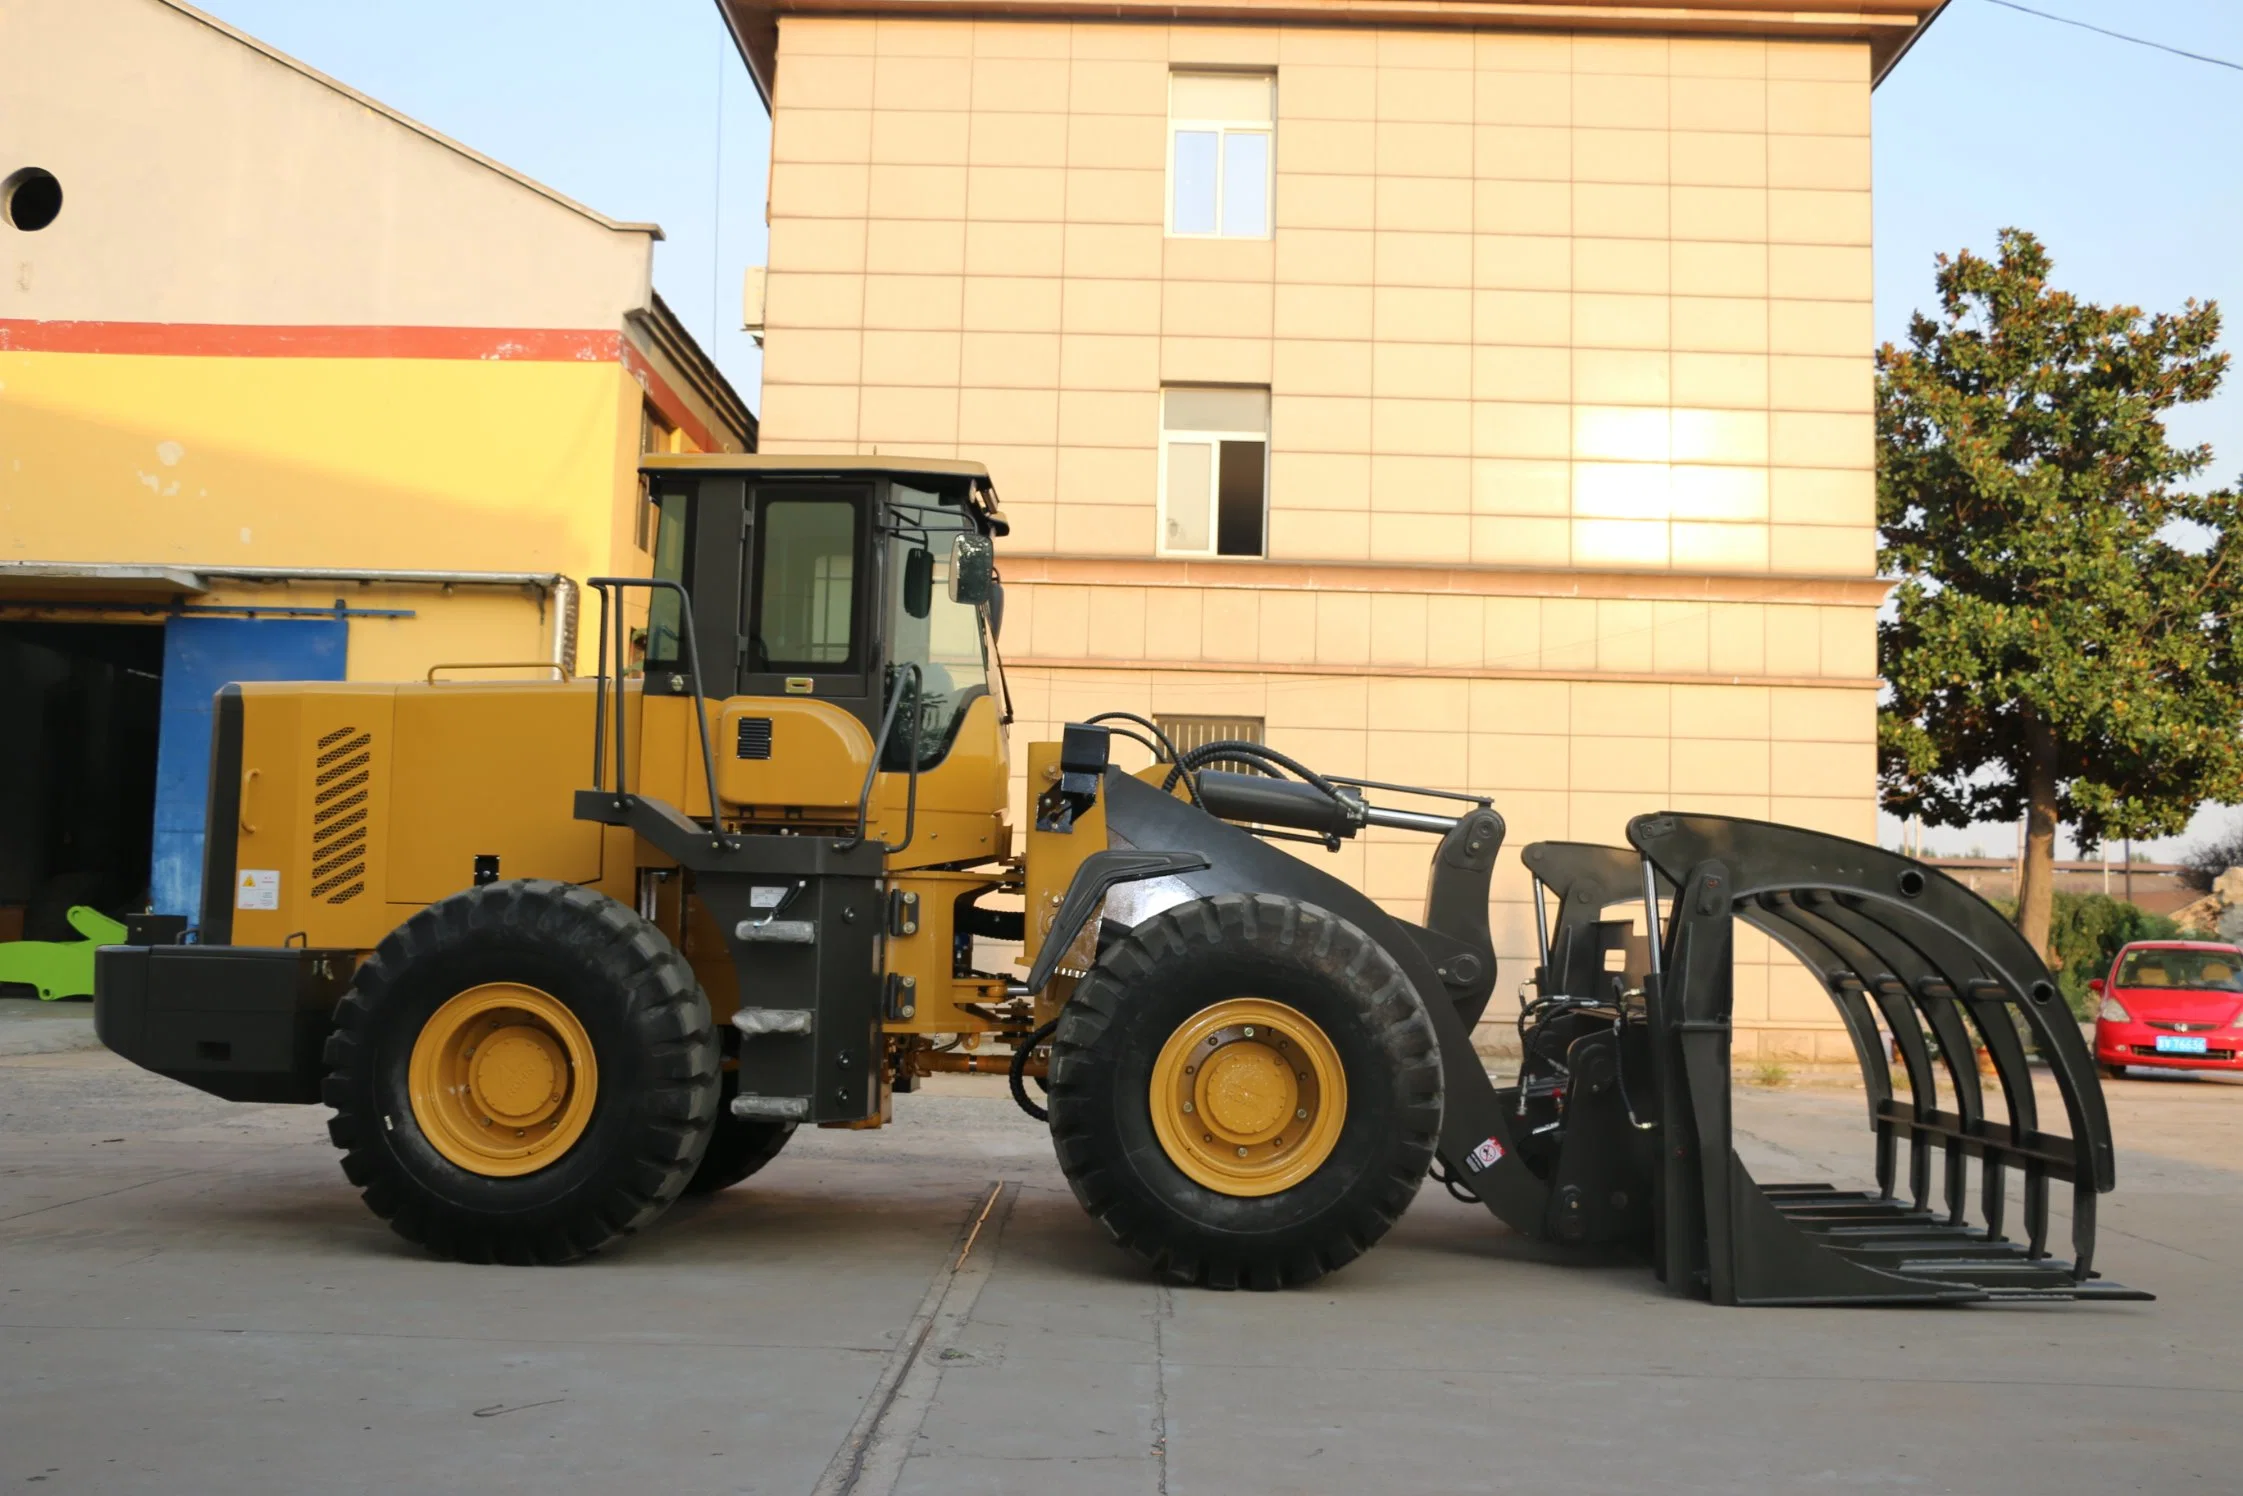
[[664, 607], [805, 611], [946, 644]]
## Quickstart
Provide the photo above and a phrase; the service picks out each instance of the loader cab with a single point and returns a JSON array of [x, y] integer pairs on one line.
[[824, 578]]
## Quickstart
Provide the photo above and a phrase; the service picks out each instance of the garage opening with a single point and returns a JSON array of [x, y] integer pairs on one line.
[[81, 704]]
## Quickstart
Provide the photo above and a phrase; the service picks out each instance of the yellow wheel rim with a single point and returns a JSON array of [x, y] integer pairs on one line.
[[502, 1079], [1248, 1097]]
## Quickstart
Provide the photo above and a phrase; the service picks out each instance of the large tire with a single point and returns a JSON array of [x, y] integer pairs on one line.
[[737, 1147], [1167, 975], [636, 1136]]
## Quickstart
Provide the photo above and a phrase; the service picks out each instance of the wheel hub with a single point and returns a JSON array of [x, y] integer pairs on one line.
[[518, 1075], [1246, 1092], [502, 1079], [1248, 1097]]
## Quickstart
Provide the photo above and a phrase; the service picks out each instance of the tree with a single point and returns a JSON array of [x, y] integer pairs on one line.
[[2086, 931], [2206, 860], [2064, 642]]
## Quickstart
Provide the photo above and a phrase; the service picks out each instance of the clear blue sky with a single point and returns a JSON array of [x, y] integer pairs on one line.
[[2123, 159]]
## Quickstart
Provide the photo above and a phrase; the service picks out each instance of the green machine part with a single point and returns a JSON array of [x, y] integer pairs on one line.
[[60, 968]]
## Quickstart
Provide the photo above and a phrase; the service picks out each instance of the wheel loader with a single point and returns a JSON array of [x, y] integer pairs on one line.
[[555, 953]]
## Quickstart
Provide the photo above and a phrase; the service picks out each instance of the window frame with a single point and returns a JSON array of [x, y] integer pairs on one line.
[[1215, 491], [1222, 130]]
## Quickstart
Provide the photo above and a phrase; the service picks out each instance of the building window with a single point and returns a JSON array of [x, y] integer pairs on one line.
[[1214, 471], [1188, 733], [1219, 156]]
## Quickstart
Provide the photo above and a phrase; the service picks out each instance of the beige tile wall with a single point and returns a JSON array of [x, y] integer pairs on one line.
[[1562, 760], [1531, 300]]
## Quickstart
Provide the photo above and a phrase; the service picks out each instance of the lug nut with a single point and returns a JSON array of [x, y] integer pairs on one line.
[[1187, 1108], [1301, 1113], [1242, 1153], [1249, 1031]]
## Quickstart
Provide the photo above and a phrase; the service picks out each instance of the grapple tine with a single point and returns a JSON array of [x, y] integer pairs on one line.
[[1889, 937]]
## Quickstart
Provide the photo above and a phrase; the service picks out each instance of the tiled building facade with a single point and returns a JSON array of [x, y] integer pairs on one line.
[[1481, 408]]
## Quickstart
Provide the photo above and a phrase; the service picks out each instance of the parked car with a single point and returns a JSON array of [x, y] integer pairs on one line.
[[2173, 1004]]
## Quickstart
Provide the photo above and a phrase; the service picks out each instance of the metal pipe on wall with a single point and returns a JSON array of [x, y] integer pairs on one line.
[[555, 585]]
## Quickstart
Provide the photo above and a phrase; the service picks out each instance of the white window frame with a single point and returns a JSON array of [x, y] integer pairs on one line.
[[1214, 439], [1223, 129]]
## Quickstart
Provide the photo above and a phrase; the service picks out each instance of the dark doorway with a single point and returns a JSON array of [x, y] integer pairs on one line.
[[80, 703]]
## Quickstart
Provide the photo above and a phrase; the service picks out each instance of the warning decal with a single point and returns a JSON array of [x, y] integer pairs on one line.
[[1486, 1155], [257, 888]]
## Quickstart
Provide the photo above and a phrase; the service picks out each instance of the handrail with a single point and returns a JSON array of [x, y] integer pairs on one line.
[[872, 771], [693, 675], [555, 666]]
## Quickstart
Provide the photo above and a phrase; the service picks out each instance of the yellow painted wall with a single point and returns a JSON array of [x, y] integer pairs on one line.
[[422, 464]]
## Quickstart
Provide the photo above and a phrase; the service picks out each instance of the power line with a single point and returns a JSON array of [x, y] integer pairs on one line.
[[716, 210], [2139, 41]]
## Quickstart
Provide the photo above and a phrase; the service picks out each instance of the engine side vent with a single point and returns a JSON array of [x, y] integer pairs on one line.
[[339, 814], [755, 737]]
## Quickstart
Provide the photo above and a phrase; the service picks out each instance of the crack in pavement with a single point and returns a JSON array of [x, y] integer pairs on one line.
[[871, 1458]]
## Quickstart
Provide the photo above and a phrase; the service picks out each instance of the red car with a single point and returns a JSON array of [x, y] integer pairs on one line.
[[2173, 1004]]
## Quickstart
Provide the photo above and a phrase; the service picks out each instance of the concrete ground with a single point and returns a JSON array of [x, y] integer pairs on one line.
[[192, 1299]]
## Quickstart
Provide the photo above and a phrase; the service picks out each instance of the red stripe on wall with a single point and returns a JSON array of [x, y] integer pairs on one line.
[[666, 400], [243, 340]]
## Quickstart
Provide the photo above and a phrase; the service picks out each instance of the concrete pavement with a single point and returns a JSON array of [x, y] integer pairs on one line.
[[192, 1299]]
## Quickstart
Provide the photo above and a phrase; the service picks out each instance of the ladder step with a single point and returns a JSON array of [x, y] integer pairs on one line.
[[771, 1108], [756, 1022]]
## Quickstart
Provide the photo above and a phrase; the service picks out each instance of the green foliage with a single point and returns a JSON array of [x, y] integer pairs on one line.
[[2087, 931], [2050, 640]]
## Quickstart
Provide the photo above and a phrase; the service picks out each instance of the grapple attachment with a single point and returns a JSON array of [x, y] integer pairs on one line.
[[1897, 946]]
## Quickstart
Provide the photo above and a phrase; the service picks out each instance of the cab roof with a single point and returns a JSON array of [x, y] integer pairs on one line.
[[982, 492]]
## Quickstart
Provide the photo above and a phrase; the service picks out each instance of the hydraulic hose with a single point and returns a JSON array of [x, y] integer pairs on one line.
[[1018, 1071]]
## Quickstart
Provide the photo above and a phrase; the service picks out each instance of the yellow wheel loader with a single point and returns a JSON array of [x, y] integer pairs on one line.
[[554, 953]]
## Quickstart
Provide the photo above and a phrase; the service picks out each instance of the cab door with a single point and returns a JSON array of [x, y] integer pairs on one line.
[[805, 624]]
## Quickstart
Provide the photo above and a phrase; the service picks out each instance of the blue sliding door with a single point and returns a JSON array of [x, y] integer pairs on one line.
[[201, 655]]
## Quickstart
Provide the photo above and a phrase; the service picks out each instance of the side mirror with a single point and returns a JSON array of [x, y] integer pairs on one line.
[[2095, 985], [973, 569], [919, 582]]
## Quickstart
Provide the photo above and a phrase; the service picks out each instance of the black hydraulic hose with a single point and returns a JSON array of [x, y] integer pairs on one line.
[[1191, 785], [1260, 755], [1018, 1071], [1138, 738]]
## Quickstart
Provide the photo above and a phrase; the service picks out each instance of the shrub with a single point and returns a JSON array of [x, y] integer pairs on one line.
[[2087, 931]]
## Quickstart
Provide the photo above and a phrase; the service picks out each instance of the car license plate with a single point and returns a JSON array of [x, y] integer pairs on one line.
[[2181, 1044]]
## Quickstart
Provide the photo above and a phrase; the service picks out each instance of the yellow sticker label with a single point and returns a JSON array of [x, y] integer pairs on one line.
[[800, 685]]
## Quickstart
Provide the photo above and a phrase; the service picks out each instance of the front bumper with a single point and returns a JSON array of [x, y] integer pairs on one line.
[[243, 1022], [2136, 1044]]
